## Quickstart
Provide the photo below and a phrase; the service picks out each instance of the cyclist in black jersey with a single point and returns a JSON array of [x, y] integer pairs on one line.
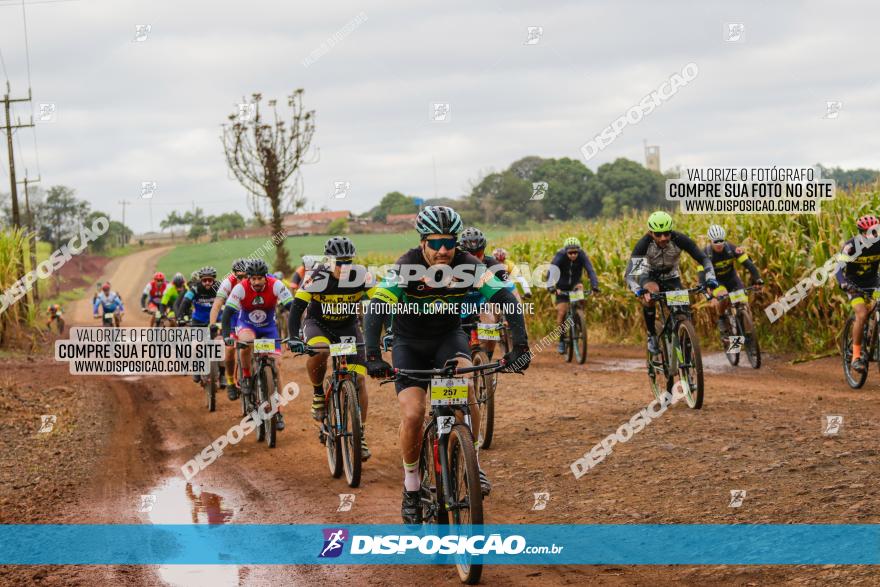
[[331, 316], [653, 267], [723, 255], [473, 241], [572, 262], [858, 271], [427, 339]]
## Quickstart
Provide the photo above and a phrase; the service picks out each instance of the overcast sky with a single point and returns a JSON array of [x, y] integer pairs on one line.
[[128, 112]]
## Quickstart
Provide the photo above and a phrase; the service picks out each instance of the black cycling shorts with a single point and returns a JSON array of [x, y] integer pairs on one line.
[[427, 353], [668, 284], [317, 332]]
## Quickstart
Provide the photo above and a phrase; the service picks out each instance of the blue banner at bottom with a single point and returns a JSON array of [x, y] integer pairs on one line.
[[524, 544]]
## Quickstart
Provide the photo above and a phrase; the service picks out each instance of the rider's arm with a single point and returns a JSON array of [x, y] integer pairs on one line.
[[515, 317], [688, 245], [121, 306], [166, 298], [845, 256], [233, 305], [144, 297], [282, 294], [558, 258], [95, 306], [640, 250], [594, 279], [743, 258], [185, 302], [384, 296]]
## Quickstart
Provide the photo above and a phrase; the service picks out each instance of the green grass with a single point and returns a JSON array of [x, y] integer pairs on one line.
[[220, 254]]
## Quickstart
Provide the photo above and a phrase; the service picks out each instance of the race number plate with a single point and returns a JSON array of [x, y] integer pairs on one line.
[[108, 315], [343, 348], [576, 296], [489, 331], [264, 345], [739, 296], [449, 391], [678, 298]]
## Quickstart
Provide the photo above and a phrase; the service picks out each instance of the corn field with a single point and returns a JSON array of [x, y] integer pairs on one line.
[[13, 242]]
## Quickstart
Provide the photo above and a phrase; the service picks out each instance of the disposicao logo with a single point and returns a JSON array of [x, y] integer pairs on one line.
[[334, 539]]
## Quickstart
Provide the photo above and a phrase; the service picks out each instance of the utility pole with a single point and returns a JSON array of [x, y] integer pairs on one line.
[[16, 221], [32, 240], [124, 204]]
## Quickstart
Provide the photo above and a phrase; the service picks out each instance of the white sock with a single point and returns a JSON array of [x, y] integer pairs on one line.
[[411, 481]]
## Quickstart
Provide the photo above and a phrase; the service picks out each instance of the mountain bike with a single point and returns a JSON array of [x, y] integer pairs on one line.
[[485, 384], [341, 427], [264, 384], [870, 346], [448, 459], [741, 329], [575, 336], [216, 371], [679, 356], [106, 319]]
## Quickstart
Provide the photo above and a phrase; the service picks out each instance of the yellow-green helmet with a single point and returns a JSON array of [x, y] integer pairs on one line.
[[659, 222], [571, 243]]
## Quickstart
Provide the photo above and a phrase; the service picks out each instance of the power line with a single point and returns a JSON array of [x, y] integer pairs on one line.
[[27, 50]]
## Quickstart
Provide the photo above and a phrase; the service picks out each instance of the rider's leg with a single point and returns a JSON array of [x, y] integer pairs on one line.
[[649, 309], [411, 402], [561, 313], [860, 309], [316, 367], [246, 335]]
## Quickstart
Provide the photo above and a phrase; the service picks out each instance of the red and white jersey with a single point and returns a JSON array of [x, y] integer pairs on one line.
[[226, 286], [153, 291], [257, 308]]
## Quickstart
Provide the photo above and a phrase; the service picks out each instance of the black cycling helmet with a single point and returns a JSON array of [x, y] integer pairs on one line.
[[239, 265], [207, 271], [257, 267], [340, 246], [472, 240], [178, 279], [438, 220]]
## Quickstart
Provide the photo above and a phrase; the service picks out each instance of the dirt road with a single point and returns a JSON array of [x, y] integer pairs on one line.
[[759, 431]]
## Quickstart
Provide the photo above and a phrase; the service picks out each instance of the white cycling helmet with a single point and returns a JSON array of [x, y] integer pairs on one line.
[[716, 233]]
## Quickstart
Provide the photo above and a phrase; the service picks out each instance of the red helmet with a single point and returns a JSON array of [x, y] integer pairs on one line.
[[866, 222], [106, 286], [499, 254], [159, 276]]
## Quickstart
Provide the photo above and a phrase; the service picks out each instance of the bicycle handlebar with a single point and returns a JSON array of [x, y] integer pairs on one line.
[[450, 371], [661, 295]]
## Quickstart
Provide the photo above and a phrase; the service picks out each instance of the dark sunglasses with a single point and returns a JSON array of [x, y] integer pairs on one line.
[[344, 261], [664, 233], [572, 251], [439, 243], [721, 242], [207, 280]]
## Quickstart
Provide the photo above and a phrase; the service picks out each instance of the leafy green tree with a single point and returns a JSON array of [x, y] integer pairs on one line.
[[338, 226], [571, 189], [625, 185], [117, 233], [393, 203], [225, 222], [61, 215]]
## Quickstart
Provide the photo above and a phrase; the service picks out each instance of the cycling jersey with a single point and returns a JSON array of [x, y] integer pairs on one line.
[[154, 291], [169, 297], [425, 322], [859, 262], [326, 300], [110, 302], [257, 308], [201, 298], [662, 263], [723, 263], [571, 271], [474, 298]]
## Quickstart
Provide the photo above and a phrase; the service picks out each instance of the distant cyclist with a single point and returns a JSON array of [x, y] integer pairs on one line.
[[109, 301], [427, 339], [200, 298], [54, 313], [238, 274], [513, 272], [655, 258], [327, 323], [723, 254], [253, 301], [152, 295], [299, 274], [169, 298], [473, 241], [858, 272], [572, 262]]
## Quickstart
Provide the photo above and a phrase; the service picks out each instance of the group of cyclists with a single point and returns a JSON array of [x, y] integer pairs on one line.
[[319, 308]]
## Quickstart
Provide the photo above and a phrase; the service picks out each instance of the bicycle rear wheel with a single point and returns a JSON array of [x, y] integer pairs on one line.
[[351, 428], [211, 387], [331, 438], [484, 391], [853, 378], [690, 363], [467, 497]]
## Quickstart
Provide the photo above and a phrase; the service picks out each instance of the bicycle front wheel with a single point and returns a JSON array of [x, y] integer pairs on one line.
[[690, 364], [351, 428], [211, 387], [853, 378], [732, 358], [753, 349], [331, 438], [467, 497], [267, 387], [569, 336], [484, 391], [433, 509], [579, 337]]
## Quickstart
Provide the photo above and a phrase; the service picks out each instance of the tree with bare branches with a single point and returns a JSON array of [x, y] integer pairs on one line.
[[266, 158]]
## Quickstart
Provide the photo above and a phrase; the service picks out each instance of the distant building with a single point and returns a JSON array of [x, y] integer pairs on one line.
[[409, 219], [652, 157]]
